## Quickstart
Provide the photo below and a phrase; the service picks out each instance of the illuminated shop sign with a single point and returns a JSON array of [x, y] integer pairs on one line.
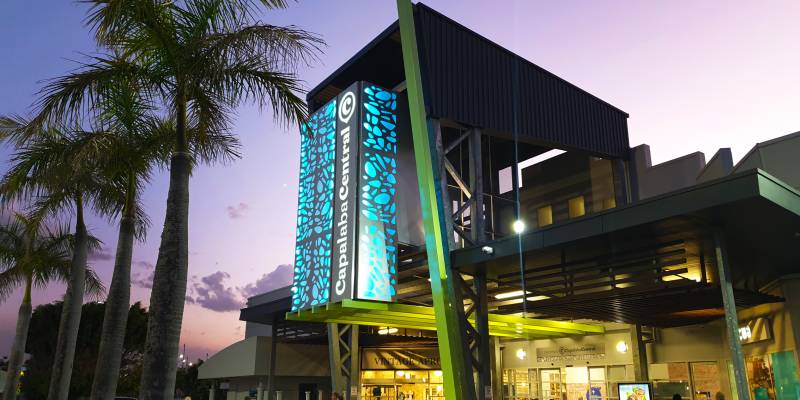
[[346, 245], [401, 359], [571, 353], [754, 330]]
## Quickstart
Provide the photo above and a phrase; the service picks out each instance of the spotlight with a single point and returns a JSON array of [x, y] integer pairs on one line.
[[488, 250], [521, 354], [519, 226]]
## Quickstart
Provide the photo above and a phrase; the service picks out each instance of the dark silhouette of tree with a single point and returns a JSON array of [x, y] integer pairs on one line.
[[41, 346]]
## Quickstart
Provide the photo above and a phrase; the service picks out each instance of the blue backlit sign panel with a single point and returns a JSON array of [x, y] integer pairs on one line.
[[312, 260], [347, 213]]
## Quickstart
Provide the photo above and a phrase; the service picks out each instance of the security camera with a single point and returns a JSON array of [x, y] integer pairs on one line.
[[488, 250]]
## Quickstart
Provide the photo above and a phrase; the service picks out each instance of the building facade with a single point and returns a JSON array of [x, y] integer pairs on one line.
[[471, 226]]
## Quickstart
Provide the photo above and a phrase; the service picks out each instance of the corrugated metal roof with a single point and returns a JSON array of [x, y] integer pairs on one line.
[[470, 80]]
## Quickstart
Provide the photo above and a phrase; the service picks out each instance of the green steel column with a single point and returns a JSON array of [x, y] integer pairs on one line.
[[457, 371], [731, 319]]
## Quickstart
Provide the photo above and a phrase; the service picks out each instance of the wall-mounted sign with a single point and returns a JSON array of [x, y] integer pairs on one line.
[[401, 358], [755, 330], [346, 245], [571, 353]]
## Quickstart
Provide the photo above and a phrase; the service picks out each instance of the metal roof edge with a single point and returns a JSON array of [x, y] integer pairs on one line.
[[372, 43]]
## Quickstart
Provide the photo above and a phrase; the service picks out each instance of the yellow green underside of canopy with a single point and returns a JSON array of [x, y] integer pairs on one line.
[[395, 315]]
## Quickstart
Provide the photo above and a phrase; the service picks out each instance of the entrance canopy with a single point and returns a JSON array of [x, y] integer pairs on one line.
[[419, 317], [652, 262]]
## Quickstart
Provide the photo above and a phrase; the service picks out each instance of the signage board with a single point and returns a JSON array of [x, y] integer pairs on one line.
[[755, 330], [423, 358], [635, 391], [571, 353], [346, 244], [345, 207]]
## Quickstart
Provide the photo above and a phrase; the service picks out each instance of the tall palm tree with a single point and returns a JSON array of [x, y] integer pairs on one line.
[[131, 142], [46, 171], [32, 255], [201, 59]]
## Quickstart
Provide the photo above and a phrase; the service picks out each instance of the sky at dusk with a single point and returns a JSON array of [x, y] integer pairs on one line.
[[693, 75]]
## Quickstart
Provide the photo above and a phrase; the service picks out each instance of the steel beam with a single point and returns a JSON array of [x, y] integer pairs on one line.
[[638, 354], [457, 373], [731, 319], [273, 356], [343, 354]]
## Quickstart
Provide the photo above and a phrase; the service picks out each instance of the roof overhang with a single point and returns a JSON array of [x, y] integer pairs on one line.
[[756, 212]]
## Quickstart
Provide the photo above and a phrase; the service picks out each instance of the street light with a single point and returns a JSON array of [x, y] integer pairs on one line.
[[519, 226]]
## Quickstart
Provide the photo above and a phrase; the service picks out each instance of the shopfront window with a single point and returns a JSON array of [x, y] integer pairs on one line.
[[570, 383], [773, 376], [551, 384], [706, 380], [402, 385]]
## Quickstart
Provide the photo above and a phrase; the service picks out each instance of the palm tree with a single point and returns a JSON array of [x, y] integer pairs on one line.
[[46, 171], [201, 59], [33, 255], [131, 142]]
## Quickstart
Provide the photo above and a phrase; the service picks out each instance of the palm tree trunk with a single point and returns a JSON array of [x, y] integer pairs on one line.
[[169, 282], [17, 356], [71, 311], [115, 319]]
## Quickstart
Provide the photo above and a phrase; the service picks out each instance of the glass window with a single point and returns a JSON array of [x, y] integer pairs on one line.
[[773, 377], [551, 384], [705, 380], [544, 216], [577, 207], [616, 374], [597, 383]]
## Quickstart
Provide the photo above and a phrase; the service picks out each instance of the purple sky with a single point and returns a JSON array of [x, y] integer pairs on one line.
[[692, 75]]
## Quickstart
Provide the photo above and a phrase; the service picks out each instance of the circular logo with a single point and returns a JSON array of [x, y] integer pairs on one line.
[[347, 106]]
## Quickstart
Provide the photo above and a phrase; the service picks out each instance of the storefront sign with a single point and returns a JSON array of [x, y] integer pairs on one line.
[[571, 353], [346, 245], [345, 195], [394, 359], [755, 330]]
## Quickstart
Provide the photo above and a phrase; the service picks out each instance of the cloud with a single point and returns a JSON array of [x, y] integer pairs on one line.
[[144, 281], [237, 211], [214, 295], [144, 264], [211, 292], [100, 255], [278, 278]]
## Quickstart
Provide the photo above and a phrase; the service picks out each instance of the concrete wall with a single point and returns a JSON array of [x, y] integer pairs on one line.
[[250, 357], [720, 165], [779, 157], [668, 176]]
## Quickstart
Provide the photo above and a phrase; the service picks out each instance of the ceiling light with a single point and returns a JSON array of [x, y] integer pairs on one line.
[[622, 347]]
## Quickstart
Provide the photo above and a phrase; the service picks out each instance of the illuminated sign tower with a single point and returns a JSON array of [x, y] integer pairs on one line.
[[346, 245]]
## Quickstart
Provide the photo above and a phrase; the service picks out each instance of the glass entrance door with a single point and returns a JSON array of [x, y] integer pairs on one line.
[[551, 384]]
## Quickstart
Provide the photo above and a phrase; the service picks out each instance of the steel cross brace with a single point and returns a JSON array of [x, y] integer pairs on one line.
[[344, 358]]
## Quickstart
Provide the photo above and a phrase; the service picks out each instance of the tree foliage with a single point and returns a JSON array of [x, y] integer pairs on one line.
[[42, 343]]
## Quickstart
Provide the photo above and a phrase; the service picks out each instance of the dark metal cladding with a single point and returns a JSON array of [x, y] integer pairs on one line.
[[469, 79]]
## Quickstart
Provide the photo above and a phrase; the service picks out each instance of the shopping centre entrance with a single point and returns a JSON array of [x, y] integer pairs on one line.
[[401, 374]]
